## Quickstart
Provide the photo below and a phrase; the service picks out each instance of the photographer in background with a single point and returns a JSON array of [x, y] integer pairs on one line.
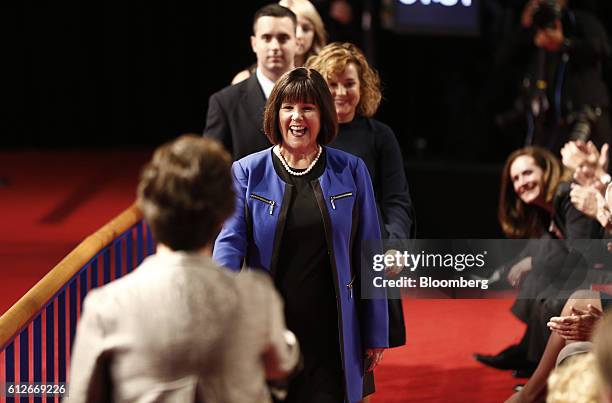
[[563, 94]]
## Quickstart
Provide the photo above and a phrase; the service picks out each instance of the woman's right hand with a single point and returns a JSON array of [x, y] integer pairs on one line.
[[396, 268], [373, 356], [519, 271]]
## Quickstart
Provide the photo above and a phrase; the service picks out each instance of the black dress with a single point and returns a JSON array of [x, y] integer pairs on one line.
[[375, 143], [304, 279]]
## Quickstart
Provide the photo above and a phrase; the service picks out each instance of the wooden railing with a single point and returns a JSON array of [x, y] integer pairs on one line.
[[36, 333]]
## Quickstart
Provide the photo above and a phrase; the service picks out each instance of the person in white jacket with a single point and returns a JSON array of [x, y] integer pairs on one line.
[[180, 328]]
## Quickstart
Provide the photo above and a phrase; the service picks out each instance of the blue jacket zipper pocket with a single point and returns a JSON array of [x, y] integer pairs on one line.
[[271, 203], [350, 287], [333, 199]]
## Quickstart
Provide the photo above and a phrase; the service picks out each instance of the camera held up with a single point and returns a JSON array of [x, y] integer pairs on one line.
[[546, 14]]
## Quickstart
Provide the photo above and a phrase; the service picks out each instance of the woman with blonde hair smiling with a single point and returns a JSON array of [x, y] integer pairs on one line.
[[355, 87]]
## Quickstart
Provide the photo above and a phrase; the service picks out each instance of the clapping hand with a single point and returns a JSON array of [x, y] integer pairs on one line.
[[589, 165], [577, 153], [586, 199], [578, 326]]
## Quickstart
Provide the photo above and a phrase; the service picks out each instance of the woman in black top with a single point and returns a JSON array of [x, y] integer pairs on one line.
[[535, 204], [355, 87]]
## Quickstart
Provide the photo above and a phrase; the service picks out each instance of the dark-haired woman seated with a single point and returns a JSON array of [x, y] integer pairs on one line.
[[535, 203]]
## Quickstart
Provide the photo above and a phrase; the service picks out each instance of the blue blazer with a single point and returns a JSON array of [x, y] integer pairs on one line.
[[346, 199]]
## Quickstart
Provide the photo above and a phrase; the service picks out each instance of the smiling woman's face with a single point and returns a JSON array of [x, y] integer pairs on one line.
[[345, 88], [527, 179], [299, 123]]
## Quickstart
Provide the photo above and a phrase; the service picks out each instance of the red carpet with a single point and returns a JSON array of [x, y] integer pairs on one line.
[[51, 202], [54, 199], [437, 365]]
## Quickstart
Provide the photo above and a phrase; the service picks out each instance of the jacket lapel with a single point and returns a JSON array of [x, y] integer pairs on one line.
[[254, 101]]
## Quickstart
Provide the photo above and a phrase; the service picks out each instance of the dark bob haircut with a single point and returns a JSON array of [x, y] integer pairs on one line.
[[186, 192], [301, 85]]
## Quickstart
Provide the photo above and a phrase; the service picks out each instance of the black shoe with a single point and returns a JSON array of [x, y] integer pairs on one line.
[[524, 372], [511, 358]]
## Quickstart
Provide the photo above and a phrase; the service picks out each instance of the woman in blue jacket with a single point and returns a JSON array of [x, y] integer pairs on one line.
[[303, 214]]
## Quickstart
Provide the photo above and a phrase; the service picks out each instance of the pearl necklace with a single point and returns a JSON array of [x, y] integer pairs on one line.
[[294, 173]]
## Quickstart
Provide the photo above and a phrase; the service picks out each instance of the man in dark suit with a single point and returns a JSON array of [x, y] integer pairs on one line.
[[235, 114]]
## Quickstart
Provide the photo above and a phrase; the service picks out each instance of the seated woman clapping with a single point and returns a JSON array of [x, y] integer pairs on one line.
[[584, 309], [535, 203]]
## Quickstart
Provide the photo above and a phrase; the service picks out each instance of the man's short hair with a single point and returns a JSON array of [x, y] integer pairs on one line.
[[186, 192], [301, 85], [274, 10]]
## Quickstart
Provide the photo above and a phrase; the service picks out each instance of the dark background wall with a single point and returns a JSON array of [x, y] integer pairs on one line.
[[135, 74], [140, 73]]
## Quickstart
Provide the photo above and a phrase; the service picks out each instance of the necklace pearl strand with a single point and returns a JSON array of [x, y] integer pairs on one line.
[[295, 173]]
